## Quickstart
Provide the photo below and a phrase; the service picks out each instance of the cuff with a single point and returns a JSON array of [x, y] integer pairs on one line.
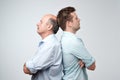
[[90, 62], [30, 66]]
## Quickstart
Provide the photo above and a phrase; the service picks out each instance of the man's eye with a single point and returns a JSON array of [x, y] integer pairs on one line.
[[40, 21]]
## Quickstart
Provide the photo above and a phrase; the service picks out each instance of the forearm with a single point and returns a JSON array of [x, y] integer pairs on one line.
[[91, 67]]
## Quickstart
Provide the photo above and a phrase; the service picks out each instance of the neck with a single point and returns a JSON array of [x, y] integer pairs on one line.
[[70, 30], [44, 35]]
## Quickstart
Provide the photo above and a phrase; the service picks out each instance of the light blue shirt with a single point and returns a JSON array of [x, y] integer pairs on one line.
[[73, 50], [46, 64]]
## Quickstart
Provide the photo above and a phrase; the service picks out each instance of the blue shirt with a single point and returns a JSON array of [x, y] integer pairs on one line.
[[74, 50], [46, 64]]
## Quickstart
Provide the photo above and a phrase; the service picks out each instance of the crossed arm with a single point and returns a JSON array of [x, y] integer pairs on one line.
[[91, 67], [26, 70], [81, 63]]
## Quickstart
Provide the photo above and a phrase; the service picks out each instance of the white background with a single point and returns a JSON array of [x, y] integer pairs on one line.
[[100, 27]]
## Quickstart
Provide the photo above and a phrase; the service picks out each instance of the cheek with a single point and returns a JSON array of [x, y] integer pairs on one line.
[[41, 28]]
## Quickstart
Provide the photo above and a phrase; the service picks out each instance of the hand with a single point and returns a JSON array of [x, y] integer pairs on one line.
[[92, 67], [81, 63], [26, 70]]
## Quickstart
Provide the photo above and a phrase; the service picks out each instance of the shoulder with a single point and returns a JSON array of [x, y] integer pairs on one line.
[[53, 42], [72, 43], [69, 40]]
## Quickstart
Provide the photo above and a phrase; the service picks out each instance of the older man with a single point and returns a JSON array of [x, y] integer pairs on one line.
[[46, 64]]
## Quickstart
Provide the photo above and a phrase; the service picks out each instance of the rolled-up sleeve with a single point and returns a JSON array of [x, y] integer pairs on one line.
[[42, 59], [30, 66]]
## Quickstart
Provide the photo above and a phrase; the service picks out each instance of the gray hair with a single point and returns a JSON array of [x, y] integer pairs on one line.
[[55, 25]]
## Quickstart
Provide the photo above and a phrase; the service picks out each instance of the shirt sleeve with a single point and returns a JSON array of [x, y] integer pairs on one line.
[[42, 60], [78, 50]]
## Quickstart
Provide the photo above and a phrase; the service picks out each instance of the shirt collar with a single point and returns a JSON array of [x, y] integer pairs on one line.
[[69, 33], [48, 38]]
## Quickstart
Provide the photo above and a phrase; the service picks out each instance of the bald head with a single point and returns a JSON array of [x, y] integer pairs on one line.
[[49, 16], [52, 19], [47, 25]]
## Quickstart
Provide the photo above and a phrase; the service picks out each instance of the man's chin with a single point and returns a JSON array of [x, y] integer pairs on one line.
[[78, 28], [38, 32]]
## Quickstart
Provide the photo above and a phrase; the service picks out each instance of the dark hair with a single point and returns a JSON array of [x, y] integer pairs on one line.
[[64, 16], [55, 25]]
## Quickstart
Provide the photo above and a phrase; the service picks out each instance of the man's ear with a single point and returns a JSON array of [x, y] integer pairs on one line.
[[69, 23], [50, 26]]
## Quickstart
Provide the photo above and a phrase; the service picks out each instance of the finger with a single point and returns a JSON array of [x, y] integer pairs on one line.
[[81, 64]]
